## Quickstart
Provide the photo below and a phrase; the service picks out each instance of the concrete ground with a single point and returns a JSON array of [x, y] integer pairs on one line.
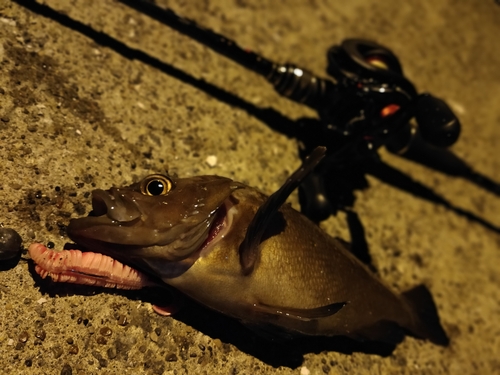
[[76, 115]]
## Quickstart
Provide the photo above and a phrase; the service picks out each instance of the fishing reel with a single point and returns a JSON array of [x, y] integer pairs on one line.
[[369, 100], [369, 104], [383, 92]]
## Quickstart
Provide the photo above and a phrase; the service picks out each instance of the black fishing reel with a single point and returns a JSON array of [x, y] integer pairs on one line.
[[370, 100], [369, 104], [371, 75]]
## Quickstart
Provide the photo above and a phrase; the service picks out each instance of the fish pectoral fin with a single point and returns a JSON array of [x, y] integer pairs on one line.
[[249, 248], [300, 314]]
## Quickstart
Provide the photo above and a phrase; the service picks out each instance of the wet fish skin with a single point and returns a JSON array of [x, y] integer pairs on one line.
[[302, 280], [301, 273]]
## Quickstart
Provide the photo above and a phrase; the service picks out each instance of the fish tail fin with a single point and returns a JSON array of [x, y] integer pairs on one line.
[[426, 322]]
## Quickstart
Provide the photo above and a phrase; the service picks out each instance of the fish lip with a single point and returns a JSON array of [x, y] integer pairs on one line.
[[99, 206], [115, 206], [100, 215], [101, 200]]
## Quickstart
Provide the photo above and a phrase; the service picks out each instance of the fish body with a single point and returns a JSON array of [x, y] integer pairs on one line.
[[249, 256], [300, 274]]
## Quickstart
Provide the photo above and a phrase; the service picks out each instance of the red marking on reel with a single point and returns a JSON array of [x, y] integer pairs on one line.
[[389, 110]]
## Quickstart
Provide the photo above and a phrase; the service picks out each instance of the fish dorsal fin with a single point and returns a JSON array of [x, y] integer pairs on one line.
[[249, 248]]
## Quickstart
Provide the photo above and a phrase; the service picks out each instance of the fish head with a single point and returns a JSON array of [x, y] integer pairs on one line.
[[156, 221]]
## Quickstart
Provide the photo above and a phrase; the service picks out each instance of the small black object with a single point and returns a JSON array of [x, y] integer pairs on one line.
[[437, 123], [10, 243]]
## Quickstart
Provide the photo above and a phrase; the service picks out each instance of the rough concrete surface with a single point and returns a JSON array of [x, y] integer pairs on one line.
[[77, 115]]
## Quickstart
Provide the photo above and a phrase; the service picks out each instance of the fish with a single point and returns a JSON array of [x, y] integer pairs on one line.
[[250, 256]]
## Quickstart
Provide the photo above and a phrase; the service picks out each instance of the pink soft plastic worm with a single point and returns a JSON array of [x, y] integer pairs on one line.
[[74, 266]]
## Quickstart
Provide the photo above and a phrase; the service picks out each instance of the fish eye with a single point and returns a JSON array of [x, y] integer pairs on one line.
[[156, 185]]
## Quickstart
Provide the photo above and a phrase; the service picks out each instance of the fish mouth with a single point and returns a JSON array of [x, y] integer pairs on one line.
[[90, 267], [116, 206], [120, 233], [162, 235]]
